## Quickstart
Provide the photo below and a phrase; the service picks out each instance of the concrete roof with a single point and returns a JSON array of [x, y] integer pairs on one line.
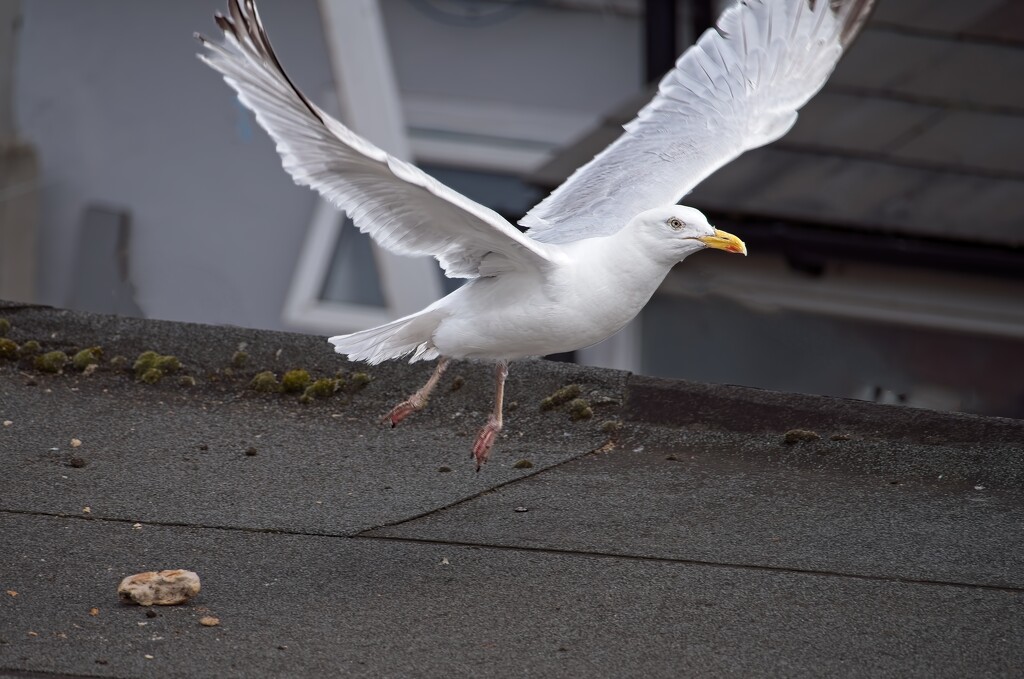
[[693, 541], [920, 131]]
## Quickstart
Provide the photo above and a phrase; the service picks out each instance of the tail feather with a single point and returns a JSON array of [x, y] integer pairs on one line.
[[410, 335]]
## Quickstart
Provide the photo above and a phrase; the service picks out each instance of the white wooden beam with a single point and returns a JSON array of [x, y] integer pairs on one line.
[[369, 104]]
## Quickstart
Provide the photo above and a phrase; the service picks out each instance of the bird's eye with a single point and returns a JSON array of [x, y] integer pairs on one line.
[[676, 223]]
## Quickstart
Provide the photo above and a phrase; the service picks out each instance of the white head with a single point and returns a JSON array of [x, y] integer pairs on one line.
[[672, 233]]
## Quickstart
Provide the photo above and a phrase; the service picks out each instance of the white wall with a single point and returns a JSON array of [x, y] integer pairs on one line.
[[122, 113]]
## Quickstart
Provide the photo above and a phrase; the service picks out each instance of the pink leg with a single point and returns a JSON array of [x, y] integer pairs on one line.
[[489, 433], [418, 400]]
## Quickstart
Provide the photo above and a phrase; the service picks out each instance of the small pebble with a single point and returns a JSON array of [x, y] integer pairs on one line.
[[522, 509], [94, 611], [77, 462], [151, 613], [136, 526], [794, 436], [87, 510], [75, 443], [209, 621], [7, 423]]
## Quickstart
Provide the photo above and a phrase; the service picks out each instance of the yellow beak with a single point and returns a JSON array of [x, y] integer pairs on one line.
[[724, 241]]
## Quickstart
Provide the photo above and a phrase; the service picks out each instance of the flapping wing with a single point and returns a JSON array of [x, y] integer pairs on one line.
[[737, 88], [399, 206]]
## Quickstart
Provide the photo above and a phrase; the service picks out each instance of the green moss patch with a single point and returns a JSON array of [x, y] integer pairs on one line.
[[265, 382], [322, 388], [150, 366], [51, 362], [86, 357], [561, 396], [9, 349], [359, 380], [579, 409], [295, 381]]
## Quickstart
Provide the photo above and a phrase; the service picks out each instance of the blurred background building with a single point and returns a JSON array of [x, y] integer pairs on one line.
[[886, 231]]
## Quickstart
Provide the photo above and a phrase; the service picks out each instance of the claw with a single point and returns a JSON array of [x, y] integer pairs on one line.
[[485, 440], [399, 413], [418, 400]]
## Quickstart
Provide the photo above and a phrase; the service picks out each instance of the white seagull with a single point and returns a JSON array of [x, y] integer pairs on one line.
[[598, 247]]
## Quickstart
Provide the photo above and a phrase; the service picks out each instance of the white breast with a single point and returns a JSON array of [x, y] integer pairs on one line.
[[598, 290]]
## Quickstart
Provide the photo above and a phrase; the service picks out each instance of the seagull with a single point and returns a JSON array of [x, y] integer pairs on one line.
[[595, 249]]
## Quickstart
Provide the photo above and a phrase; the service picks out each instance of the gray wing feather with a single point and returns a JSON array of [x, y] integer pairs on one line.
[[402, 208], [739, 87]]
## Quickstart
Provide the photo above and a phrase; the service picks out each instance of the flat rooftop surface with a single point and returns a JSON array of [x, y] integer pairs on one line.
[[677, 532]]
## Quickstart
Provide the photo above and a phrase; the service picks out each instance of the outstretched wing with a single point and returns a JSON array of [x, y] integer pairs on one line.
[[737, 88], [398, 205]]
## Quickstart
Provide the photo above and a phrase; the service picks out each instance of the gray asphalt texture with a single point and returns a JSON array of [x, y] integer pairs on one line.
[[689, 539]]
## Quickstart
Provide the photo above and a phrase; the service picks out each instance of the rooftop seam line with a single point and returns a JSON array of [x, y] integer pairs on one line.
[[175, 524], [698, 562], [525, 548], [486, 491], [14, 673], [612, 439]]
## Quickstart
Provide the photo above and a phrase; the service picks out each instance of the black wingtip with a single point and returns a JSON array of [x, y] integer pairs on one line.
[[245, 27], [856, 15], [224, 23]]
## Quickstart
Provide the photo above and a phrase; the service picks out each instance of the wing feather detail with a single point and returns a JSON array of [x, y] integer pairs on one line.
[[739, 87], [401, 207]]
